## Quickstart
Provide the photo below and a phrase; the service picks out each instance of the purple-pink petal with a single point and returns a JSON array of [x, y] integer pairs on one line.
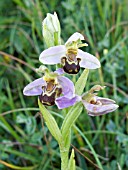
[[96, 110], [68, 89], [88, 60], [105, 101], [59, 71], [75, 37], [63, 102], [34, 88], [52, 55]]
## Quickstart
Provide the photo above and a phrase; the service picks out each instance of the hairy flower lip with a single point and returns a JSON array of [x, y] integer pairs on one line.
[[53, 55]]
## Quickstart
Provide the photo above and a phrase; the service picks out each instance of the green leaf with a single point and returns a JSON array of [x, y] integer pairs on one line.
[[19, 3], [70, 119], [71, 164], [50, 122], [20, 154], [80, 84], [17, 167], [91, 148], [6, 126]]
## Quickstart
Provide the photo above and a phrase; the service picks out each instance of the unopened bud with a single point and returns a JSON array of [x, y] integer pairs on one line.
[[51, 30]]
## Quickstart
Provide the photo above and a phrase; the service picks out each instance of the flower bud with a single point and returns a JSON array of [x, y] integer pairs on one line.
[[51, 30]]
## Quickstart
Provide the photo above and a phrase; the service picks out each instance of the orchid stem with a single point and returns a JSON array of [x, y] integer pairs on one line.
[[64, 158], [64, 150]]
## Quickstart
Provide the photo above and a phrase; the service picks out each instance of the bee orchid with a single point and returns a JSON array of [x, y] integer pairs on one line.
[[99, 106], [51, 87], [70, 56]]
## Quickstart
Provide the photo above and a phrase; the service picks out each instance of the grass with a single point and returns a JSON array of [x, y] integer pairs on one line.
[[104, 25]]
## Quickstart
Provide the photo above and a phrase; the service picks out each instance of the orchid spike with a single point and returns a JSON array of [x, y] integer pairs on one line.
[[70, 56]]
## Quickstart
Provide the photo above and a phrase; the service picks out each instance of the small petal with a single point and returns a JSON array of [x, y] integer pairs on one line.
[[105, 101], [68, 89], [52, 55], [88, 60], [63, 102], [34, 88], [96, 88], [59, 71], [111, 109], [96, 110], [75, 37]]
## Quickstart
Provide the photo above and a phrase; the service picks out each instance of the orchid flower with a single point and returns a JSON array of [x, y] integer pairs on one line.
[[50, 87], [94, 105], [70, 56]]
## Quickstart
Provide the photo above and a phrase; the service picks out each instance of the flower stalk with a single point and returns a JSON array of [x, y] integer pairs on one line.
[[64, 157]]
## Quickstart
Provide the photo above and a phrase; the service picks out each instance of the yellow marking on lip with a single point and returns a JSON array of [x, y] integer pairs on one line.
[[72, 51], [76, 70]]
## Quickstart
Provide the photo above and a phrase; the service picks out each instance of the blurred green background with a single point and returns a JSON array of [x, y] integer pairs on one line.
[[24, 138]]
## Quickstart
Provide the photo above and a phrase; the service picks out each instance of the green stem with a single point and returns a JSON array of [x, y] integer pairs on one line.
[[64, 157], [68, 122], [56, 39], [64, 151]]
